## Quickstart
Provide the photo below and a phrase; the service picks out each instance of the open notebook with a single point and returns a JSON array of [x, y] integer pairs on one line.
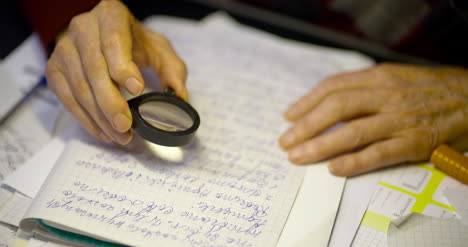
[[232, 186]]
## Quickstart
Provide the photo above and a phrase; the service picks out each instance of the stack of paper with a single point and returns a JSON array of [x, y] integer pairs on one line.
[[240, 81]]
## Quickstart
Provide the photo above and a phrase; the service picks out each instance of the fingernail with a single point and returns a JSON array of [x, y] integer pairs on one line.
[[185, 96], [104, 137], [133, 86], [287, 139], [121, 122], [296, 155], [123, 139], [291, 113], [336, 167]]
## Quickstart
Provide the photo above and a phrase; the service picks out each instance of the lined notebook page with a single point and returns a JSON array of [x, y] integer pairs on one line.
[[232, 186]]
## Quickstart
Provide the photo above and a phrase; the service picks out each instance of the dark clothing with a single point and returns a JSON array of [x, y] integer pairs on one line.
[[49, 17], [433, 29]]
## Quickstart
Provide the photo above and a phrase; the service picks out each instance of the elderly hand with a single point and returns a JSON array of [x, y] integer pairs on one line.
[[392, 113], [101, 51]]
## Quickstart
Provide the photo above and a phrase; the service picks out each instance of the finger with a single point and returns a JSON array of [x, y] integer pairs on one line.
[[336, 108], [357, 133], [85, 33], [59, 85], [460, 144], [81, 90], [335, 83], [116, 44], [375, 156], [164, 60]]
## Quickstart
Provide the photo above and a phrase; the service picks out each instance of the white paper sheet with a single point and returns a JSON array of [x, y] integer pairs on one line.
[[14, 210], [418, 230], [30, 176], [320, 192], [10, 93], [26, 63], [341, 61], [7, 235], [356, 196], [369, 237], [31, 126], [6, 194], [27, 131], [458, 198], [269, 67]]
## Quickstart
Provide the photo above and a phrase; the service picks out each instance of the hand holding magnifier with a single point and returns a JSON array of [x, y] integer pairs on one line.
[[163, 118]]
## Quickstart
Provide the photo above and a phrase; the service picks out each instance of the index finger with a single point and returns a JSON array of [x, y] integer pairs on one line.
[[85, 32], [332, 84], [115, 22]]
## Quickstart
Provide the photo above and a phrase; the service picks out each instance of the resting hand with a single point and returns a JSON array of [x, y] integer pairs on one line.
[[102, 50], [392, 113]]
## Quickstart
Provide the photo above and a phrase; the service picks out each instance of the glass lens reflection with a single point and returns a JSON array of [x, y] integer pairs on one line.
[[165, 116]]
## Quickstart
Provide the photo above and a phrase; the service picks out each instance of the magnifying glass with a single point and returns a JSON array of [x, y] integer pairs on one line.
[[163, 118]]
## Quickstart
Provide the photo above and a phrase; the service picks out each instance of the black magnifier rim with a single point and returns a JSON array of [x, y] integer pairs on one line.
[[156, 135]]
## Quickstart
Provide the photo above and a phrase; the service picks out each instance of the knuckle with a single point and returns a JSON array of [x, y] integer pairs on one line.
[[334, 105], [419, 145], [50, 67], [106, 5], [317, 149], [334, 102], [112, 106], [117, 71], [299, 130], [162, 39], [94, 65], [110, 40], [78, 24], [93, 59], [433, 139], [380, 152], [334, 81], [81, 90], [302, 128], [330, 82], [427, 120], [356, 135], [308, 121], [68, 101], [61, 47], [352, 164], [63, 50], [385, 74]]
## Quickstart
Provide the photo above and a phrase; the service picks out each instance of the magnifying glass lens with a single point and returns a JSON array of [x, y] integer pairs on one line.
[[165, 116], [164, 119]]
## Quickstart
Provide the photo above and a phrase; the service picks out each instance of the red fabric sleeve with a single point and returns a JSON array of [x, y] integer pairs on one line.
[[49, 17]]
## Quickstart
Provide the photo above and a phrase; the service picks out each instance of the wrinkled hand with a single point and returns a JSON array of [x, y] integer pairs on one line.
[[102, 50], [392, 113]]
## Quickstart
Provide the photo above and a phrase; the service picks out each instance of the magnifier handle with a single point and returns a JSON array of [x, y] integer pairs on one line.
[[169, 91]]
